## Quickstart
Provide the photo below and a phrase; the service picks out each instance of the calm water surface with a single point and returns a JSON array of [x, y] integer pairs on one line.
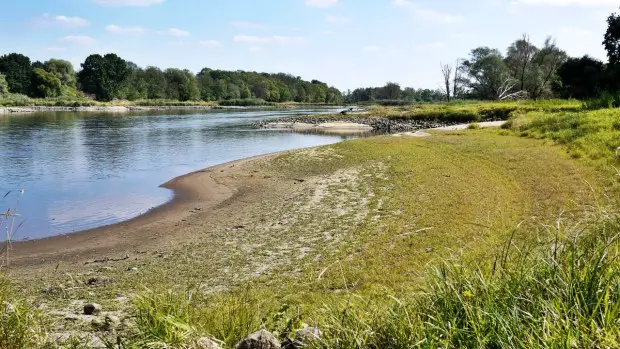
[[81, 171]]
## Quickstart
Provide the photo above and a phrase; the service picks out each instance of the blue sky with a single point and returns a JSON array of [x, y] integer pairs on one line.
[[346, 43]]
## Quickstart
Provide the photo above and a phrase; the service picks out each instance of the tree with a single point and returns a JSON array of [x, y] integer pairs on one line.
[[446, 71], [45, 84], [544, 71], [136, 86], [519, 59], [206, 85], [391, 90], [181, 85], [17, 71], [488, 75], [612, 39], [63, 70], [580, 78], [457, 90], [155, 81], [4, 86], [104, 76]]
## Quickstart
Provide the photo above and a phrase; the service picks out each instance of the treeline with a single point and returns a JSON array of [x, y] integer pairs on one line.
[[392, 93], [110, 77], [523, 71]]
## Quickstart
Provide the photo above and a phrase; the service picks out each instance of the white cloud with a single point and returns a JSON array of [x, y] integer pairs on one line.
[[337, 19], [179, 33], [79, 39], [321, 3], [590, 3], [276, 39], [247, 25], [210, 43], [128, 3], [370, 48], [69, 22], [428, 14], [115, 29]]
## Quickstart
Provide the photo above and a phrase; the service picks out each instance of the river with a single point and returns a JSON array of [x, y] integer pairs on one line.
[[85, 170]]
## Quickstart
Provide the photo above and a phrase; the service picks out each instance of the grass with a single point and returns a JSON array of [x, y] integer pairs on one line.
[[594, 135], [560, 293], [465, 111], [21, 325], [460, 239]]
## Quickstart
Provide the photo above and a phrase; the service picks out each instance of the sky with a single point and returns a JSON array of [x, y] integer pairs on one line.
[[345, 43]]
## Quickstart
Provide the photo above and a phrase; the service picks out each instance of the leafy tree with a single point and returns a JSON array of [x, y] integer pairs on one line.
[[489, 76], [206, 85], [17, 71], [155, 82], [181, 85], [136, 86], [612, 39], [245, 92], [544, 70], [391, 90], [45, 84], [580, 78], [104, 76], [4, 86], [63, 70]]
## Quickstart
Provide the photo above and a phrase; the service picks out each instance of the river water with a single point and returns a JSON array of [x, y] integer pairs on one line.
[[81, 171]]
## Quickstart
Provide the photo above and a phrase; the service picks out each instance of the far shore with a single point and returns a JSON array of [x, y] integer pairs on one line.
[[127, 109]]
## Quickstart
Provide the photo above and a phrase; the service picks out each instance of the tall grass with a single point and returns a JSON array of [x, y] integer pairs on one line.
[[592, 134], [563, 293], [21, 326]]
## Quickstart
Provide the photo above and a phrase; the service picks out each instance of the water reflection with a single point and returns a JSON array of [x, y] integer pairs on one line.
[[82, 170]]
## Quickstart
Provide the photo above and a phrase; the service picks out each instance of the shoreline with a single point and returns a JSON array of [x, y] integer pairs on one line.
[[201, 191], [129, 109]]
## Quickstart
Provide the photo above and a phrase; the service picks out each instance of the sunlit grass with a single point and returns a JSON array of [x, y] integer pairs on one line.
[[593, 134]]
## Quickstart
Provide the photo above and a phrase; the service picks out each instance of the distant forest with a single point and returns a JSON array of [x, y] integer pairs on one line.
[[523, 71], [110, 77]]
